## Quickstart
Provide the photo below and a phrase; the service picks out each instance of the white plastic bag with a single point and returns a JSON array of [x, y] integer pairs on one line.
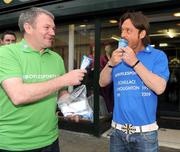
[[76, 104]]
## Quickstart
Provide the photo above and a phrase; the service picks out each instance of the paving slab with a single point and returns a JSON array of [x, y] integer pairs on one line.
[[81, 142]]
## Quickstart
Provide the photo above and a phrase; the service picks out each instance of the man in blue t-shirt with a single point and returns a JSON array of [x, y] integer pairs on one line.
[[139, 73]]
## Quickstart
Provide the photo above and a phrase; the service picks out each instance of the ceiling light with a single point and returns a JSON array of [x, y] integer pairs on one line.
[[152, 45], [7, 1], [113, 21], [158, 34], [176, 14], [163, 44], [170, 33], [115, 37], [82, 25], [167, 32]]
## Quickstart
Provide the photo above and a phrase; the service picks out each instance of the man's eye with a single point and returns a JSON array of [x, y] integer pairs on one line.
[[129, 30]]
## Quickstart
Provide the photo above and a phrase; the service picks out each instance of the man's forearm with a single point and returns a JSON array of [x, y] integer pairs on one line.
[[22, 93], [105, 76], [151, 80], [28, 93]]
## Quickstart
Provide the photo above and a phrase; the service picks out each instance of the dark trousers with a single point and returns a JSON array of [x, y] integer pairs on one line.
[[54, 147]]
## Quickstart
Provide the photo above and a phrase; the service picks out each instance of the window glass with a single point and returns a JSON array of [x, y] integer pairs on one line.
[[166, 36]]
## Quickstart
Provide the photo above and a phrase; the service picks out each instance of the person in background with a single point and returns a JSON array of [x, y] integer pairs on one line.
[[139, 73], [8, 37], [105, 57], [107, 91], [91, 55], [31, 78]]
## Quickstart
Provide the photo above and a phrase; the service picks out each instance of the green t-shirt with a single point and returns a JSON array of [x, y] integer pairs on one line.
[[34, 125]]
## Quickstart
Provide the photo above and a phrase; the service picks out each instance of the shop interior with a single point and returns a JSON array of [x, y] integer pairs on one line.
[[78, 38]]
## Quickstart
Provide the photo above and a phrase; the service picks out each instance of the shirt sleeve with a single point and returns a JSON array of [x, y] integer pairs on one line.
[[9, 65], [161, 67], [63, 71]]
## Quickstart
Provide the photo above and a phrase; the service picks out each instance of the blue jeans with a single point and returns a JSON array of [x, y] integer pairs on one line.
[[137, 142]]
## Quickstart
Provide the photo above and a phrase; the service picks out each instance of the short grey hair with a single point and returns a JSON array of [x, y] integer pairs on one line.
[[30, 15]]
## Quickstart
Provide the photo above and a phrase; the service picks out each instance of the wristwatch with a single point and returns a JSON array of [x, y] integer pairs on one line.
[[135, 64], [109, 65]]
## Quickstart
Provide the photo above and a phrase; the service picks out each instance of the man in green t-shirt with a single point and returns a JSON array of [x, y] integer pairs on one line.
[[31, 77]]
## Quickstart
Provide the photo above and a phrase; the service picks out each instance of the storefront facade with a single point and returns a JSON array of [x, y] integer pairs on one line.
[[86, 27]]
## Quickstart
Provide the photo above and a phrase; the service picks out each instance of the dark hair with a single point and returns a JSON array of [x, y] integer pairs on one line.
[[8, 32], [140, 21]]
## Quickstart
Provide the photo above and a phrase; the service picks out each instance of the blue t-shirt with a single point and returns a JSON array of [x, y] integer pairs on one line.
[[135, 103]]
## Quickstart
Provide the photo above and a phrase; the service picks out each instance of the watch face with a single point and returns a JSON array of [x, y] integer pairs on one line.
[[7, 1]]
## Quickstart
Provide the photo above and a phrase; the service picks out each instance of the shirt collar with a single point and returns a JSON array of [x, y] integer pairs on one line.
[[148, 49], [26, 48]]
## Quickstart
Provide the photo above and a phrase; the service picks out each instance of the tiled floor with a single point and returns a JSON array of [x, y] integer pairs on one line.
[[81, 142], [169, 137]]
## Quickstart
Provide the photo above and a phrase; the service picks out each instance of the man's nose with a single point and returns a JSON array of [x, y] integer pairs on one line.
[[52, 32], [123, 34]]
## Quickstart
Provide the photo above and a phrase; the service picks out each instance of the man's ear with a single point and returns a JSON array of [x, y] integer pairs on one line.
[[142, 34], [27, 28]]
